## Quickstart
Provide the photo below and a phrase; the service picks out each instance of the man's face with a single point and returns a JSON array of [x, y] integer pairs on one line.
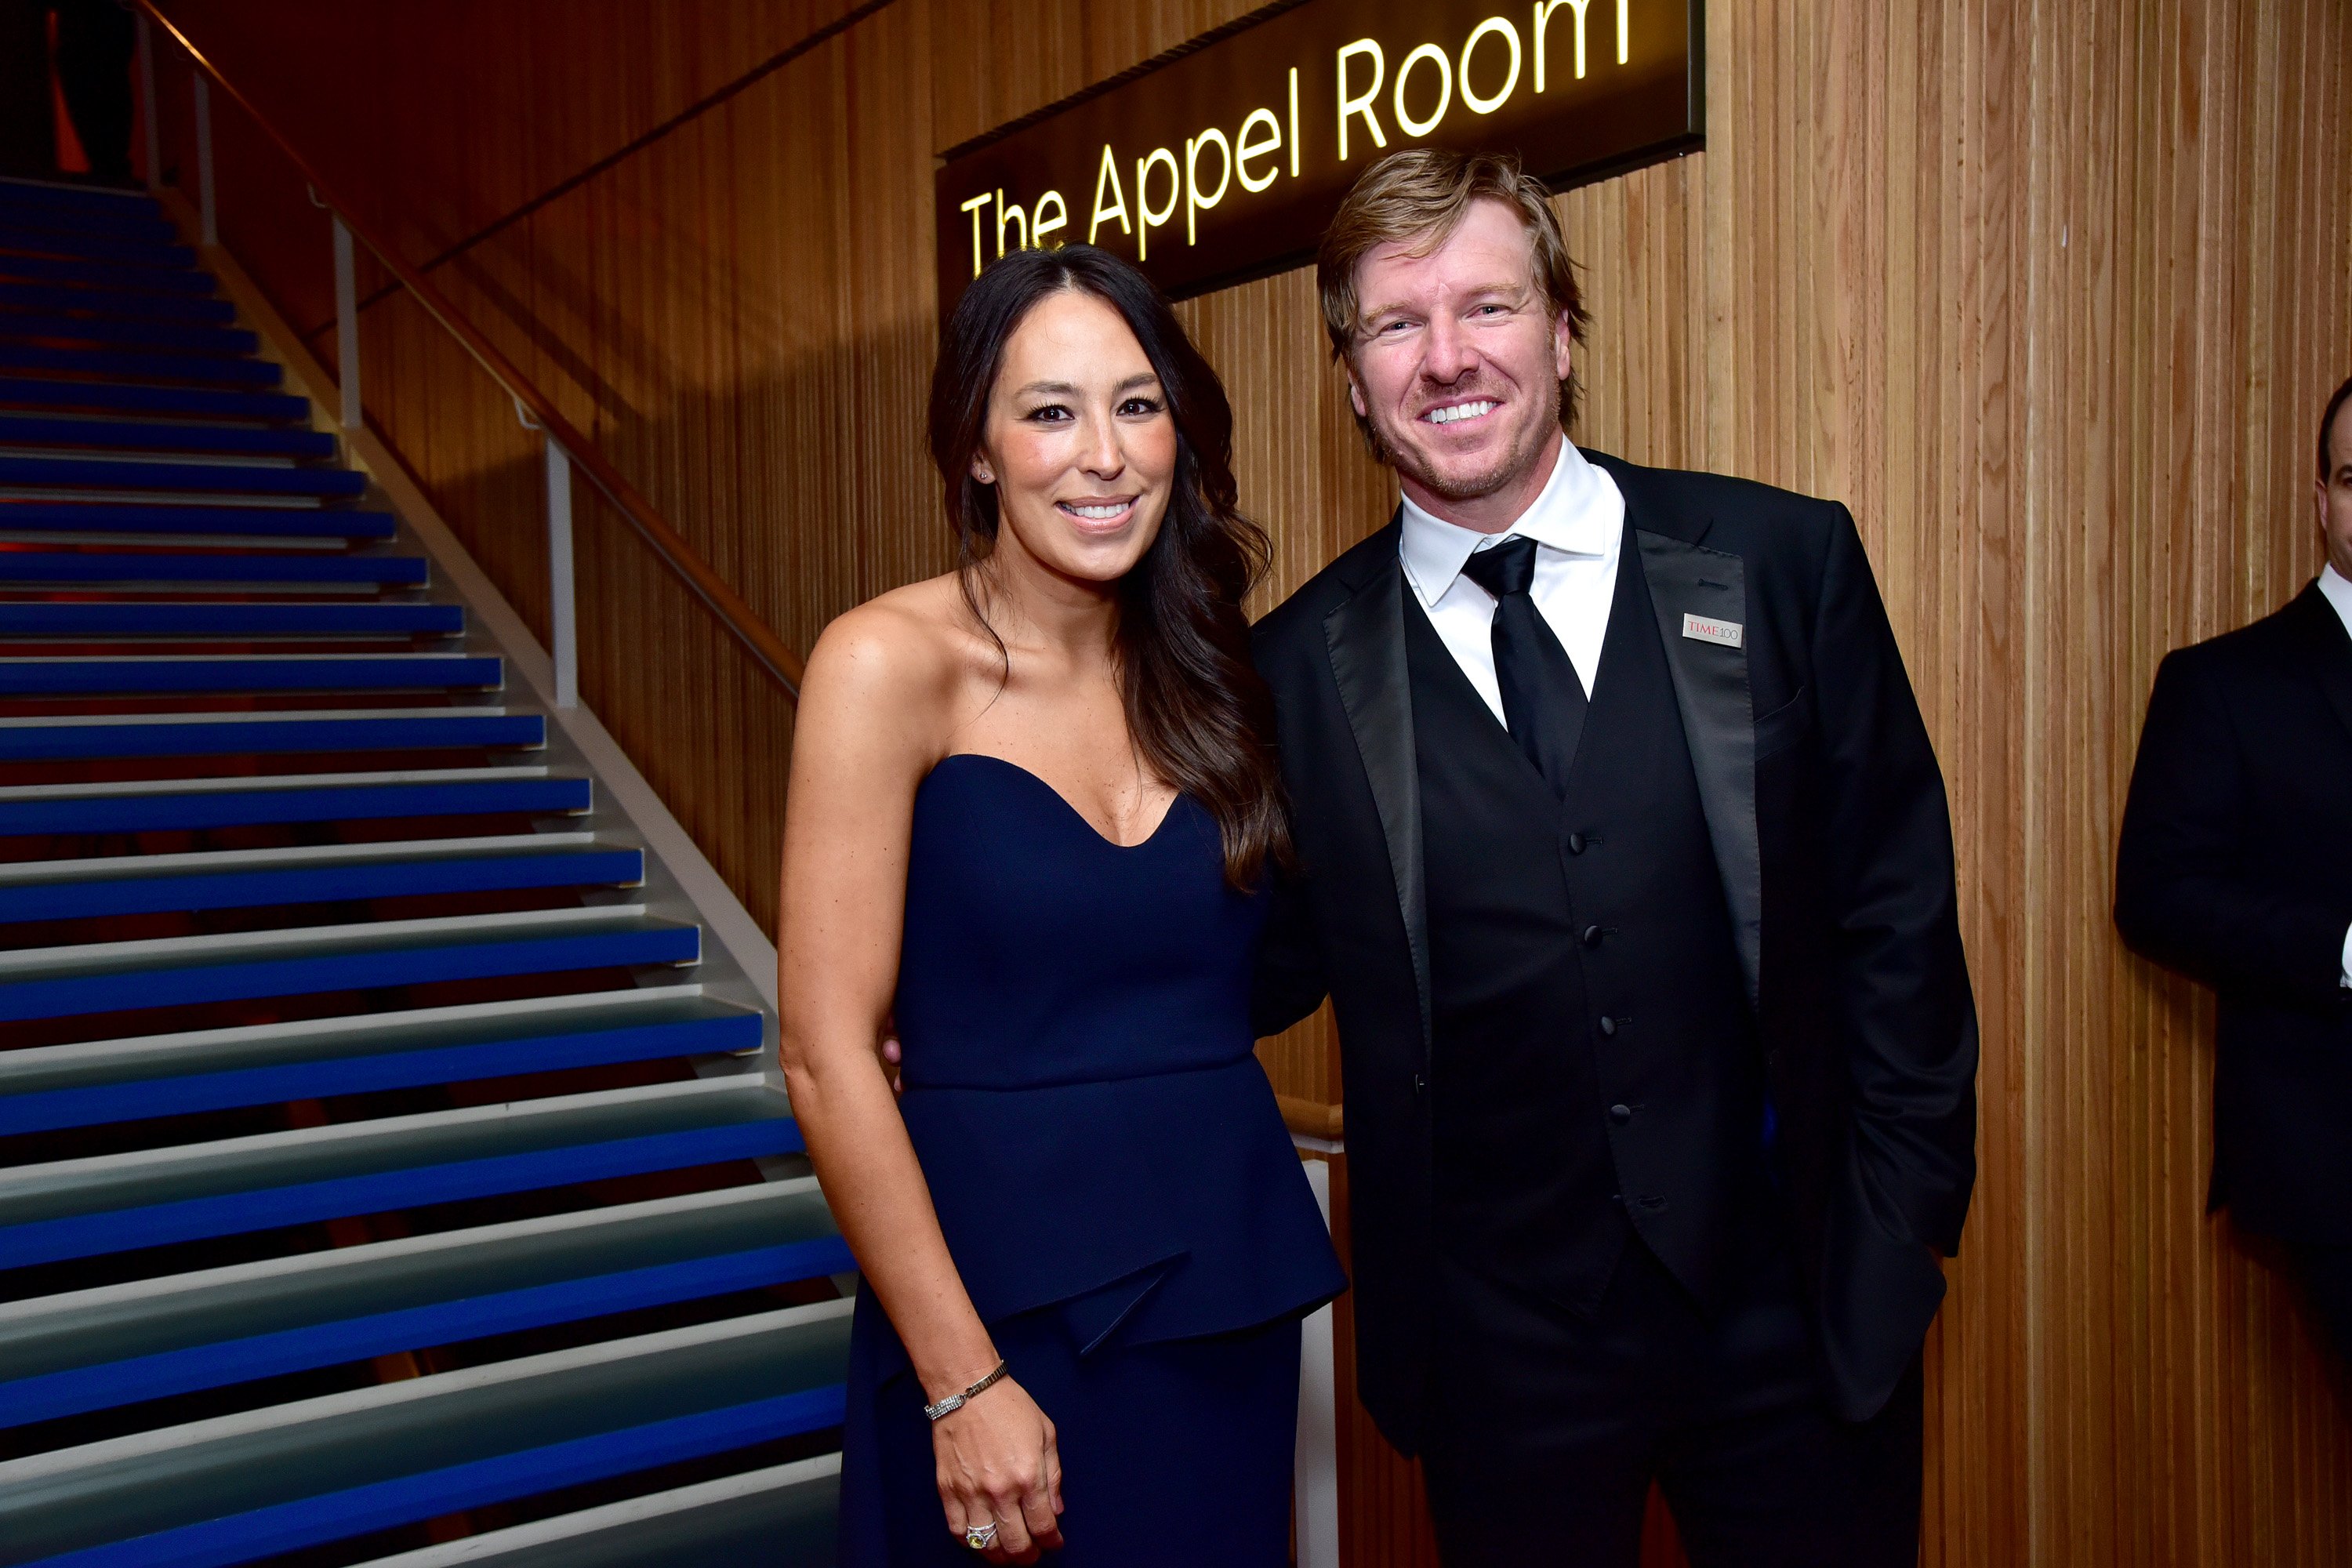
[[1457, 365], [2335, 493]]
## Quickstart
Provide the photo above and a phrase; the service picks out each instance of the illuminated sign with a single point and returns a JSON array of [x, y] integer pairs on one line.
[[1223, 160]]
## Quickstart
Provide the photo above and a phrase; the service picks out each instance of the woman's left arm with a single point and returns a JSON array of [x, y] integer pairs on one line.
[[859, 750]]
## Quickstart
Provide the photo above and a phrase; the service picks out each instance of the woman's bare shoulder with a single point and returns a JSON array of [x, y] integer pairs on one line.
[[901, 653]]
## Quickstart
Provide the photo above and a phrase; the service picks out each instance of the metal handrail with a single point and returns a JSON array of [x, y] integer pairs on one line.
[[768, 650]]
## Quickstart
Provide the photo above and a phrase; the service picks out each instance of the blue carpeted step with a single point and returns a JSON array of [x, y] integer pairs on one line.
[[196, 369], [233, 1324], [117, 397], [99, 520], [230, 478], [441, 793], [148, 567], [234, 1490], [107, 275], [118, 674], [116, 304], [23, 202], [107, 977], [83, 738], [231, 440], [50, 619], [149, 884], [132, 227], [45, 1087], [87, 1208], [22, 238], [179, 337]]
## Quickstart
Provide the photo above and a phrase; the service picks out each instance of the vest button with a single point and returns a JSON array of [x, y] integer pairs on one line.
[[1592, 936], [1419, 1086], [1576, 843], [1608, 1028], [1620, 1114]]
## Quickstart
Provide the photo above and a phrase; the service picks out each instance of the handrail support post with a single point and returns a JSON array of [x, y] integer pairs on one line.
[[563, 622], [347, 327], [206, 209]]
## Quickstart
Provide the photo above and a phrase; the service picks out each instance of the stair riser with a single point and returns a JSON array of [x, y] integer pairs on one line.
[[107, 275], [97, 474], [217, 1544], [20, 238], [195, 1219], [42, 566], [97, 1104], [97, 520], [79, 995], [118, 304], [189, 401], [270, 890], [55, 620], [26, 202], [151, 814], [164, 336], [54, 1394], [115, 678], [194, 369], [90, 742]]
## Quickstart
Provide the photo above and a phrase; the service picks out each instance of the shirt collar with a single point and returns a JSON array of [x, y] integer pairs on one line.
[[1577, 512], [2338, 590]]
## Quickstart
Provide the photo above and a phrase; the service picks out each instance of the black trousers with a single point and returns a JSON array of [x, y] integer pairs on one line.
[[1547, 1429]]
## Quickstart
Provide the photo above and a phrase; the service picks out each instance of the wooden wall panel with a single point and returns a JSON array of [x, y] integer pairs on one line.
[[2049, 295]]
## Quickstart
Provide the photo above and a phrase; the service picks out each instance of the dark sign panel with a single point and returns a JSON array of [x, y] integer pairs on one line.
[[1223, 160]]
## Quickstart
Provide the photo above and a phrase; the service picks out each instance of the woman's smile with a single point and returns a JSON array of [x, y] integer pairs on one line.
[[1098, 514]]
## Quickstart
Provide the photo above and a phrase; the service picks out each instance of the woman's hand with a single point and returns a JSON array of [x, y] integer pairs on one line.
[[997, 1461]]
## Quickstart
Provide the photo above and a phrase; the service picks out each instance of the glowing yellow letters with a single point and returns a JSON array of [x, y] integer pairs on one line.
[[1495, 99], [1146, 220], [1362, 103], [1107, 175]]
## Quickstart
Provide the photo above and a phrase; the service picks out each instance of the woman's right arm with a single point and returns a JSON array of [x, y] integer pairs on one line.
[[872, 706]]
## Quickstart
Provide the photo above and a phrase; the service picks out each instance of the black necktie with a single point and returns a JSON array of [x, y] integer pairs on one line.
[[1543, 700]]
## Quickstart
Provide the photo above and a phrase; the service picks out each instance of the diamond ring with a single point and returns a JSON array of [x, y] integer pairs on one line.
[[980, 1537]]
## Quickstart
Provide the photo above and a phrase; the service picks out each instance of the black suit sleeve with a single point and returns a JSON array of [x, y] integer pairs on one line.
[[1908, 1017], [1290, 982], [2182, 894]]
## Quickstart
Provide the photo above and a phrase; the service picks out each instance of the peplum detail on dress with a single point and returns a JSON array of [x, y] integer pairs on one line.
[[1098, 1136]]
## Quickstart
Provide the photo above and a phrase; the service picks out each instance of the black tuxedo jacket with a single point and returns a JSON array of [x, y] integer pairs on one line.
[[2236, 867], [1831, 832]]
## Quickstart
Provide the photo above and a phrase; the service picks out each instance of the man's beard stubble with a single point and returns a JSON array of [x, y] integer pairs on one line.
[[1475, 487]]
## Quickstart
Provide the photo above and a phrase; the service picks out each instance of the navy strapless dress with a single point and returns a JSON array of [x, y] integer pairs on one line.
[[1111, 1174]]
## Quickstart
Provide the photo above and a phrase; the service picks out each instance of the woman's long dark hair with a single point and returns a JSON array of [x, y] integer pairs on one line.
[[1195, 707]]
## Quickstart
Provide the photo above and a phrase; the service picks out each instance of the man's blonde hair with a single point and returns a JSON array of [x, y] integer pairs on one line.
[[1423, 195]]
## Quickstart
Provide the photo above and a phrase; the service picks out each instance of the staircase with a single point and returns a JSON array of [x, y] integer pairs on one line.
[[384, 1177]]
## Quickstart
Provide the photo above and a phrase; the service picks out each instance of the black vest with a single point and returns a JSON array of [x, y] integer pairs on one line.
[[1596, 1071]]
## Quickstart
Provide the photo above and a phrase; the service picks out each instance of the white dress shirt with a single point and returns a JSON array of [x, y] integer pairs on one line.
[[2338, 589], [1578, 523]]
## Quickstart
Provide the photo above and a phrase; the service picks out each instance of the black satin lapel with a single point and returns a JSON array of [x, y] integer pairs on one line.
[[2331, 650], [1719, 719], [1366, 636]]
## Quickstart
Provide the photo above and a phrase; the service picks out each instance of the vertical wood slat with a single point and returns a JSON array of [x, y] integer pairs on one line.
[[2049, 294]]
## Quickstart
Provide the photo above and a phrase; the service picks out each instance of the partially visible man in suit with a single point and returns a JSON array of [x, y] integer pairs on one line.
[[2236, 868], [1626, 863]]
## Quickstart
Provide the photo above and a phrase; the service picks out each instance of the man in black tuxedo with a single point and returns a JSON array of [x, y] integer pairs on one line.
[[1626, 860], [2236, 868]]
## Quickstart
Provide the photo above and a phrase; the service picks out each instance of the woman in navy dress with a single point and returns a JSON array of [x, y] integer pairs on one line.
[[1032, 814]]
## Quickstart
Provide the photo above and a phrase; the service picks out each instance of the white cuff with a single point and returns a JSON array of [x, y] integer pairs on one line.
[[2346, 980]]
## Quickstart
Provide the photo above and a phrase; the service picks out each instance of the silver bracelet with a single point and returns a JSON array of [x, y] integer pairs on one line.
[[955, 1402]]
